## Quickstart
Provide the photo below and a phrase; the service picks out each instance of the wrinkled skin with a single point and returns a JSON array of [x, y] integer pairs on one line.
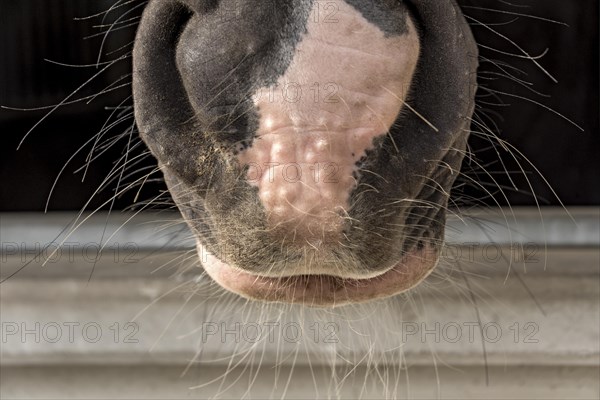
[[240, 159]]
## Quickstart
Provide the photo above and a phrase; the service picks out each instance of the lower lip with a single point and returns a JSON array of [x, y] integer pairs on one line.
[[324, 290]]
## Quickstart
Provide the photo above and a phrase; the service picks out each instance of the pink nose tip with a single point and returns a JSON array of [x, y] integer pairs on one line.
[[345, 86]]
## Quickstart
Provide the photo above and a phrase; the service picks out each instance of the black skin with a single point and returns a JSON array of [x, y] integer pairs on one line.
[[196, 144]]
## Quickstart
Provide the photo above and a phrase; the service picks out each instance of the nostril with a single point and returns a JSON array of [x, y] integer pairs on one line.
[[160, 101]]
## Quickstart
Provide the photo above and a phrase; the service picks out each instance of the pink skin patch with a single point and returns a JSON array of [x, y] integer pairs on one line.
[[345, 86]]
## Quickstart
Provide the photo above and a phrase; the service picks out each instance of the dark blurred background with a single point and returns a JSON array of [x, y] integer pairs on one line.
[[33, 31]]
